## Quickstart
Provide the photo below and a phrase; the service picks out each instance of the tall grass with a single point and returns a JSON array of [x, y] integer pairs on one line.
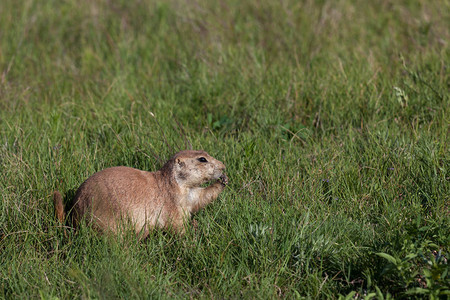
[[331, 116]]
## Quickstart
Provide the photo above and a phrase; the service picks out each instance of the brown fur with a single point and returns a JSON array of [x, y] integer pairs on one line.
[[59, 206], [164, 199]]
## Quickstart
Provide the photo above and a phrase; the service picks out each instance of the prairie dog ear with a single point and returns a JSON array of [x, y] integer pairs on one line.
[[180, 163]]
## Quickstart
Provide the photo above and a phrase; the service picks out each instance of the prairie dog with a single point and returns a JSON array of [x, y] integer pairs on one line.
[[163, 199]]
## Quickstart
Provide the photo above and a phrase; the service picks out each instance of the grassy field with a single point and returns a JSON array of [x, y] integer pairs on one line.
[[331, 116]]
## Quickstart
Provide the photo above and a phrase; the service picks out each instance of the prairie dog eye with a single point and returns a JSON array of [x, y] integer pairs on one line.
[[202, 159]]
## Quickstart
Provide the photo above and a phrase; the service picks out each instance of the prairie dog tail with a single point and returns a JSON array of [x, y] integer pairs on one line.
[[59, 206]]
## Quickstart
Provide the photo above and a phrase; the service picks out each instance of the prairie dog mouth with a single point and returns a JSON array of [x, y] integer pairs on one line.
[[217, 174]]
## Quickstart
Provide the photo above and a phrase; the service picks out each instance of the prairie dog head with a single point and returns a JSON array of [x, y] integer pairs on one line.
[[193, 168]]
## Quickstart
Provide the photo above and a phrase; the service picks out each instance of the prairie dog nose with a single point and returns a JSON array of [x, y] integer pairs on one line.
[[221, 166]]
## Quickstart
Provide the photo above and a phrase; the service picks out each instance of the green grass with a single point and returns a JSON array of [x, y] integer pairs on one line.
[[331, 116]]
